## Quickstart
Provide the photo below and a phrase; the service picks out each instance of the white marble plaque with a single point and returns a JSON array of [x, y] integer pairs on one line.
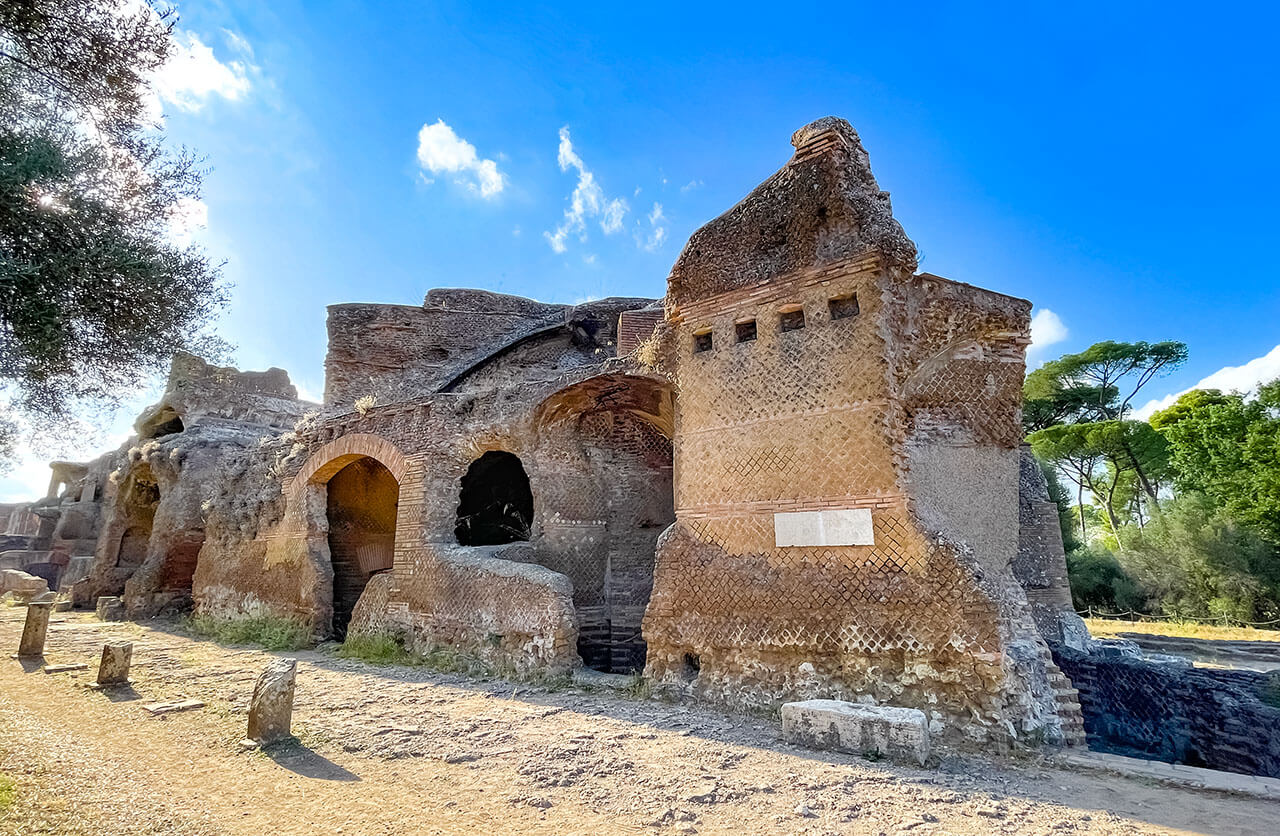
[[836, 527]]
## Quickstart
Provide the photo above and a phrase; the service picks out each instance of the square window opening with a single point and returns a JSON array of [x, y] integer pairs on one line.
[[843, 307], [702, 342], [791, 320], [746, 330]]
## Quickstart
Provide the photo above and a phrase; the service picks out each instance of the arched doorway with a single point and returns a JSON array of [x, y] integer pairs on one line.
[[139, 499], [361, 509], [606, 449], [495, 505]]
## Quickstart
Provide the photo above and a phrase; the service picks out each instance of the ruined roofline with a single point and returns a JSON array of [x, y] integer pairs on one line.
[[390, 306], [823, 205], [438, 299], [934, 277]]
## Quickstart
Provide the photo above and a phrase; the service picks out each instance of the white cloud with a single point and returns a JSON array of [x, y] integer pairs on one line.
[[657, 232], [690, 186], [237, 42], [1047, 329], [193, 74], [614, 212], [1243, 379], [307, 393], [588, 200], [440, 150], [27, 481], [186, 217]]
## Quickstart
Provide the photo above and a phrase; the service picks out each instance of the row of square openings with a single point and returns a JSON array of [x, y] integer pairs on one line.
[[790, 318]]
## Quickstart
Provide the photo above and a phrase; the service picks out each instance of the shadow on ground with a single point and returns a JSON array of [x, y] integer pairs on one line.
[[296, 757], [1025, 775]]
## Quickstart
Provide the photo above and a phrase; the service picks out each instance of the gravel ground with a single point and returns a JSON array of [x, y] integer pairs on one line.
[[391, 750]]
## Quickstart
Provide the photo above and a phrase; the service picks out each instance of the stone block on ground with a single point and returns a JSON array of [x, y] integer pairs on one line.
[[171, 707], [114, 667], [34, 630], [110, 608], [900, 734], [24, 586], [271, 709]]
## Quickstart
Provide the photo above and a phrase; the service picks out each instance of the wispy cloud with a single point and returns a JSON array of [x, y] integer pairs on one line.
[[193, 75], [441, 151], [587, 201], [690, 186], [656, 235], [1245, 378], [237, 42], [1047, 329]]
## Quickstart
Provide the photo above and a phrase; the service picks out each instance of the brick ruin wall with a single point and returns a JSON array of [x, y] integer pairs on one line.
[[1167, 710], [600, 473], [837, 384], [837, 414]]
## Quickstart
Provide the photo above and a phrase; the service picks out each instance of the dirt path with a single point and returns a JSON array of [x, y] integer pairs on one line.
[[387, 750]]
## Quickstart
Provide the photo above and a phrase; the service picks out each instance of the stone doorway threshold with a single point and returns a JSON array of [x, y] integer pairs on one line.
[[600, 679]]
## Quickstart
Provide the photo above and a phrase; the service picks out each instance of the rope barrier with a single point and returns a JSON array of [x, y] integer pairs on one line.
[[1133, 615]]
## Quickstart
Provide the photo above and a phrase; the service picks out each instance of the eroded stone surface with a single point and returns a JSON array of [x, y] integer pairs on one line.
[[110, 608], [271, 708], [113, 669], [34, 629], [875, 730]]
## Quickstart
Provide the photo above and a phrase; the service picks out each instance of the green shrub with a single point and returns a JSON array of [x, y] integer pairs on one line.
[[272, 632], [1196, 562], [1098, 580]]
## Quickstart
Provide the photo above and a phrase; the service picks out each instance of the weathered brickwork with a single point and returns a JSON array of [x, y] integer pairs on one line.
[[825, 376], [619, 483]]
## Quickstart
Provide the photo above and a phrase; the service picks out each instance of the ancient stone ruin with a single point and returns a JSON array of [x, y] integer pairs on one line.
[[796, 476]]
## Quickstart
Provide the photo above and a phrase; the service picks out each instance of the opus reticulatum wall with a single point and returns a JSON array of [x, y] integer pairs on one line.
[[795, 476]]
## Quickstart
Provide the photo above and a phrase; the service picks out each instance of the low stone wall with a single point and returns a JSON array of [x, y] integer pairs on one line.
[[508, 613], [1171, 711]]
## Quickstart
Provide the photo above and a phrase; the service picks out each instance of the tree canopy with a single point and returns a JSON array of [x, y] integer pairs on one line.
[[1097, 384], [96, 294], [1075, 408], [1227, 447]]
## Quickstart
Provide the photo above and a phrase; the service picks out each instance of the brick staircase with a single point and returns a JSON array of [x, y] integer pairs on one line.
[[1068, 701]]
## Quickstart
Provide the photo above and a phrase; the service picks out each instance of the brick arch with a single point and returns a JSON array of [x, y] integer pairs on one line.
[[323, 464]]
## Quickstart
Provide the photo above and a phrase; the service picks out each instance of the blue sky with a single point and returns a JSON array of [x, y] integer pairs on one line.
[[1114, 163]]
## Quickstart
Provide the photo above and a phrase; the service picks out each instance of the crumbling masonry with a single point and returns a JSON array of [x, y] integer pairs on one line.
[[795, 476]]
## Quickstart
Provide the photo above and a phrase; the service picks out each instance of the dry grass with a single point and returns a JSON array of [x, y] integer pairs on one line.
[[1109, 628]]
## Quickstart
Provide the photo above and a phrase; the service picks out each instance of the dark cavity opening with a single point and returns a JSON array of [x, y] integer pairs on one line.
[[746, 331], [791, 320], [361, 507], [843, 307], [496, 503], [141, 497], [702, 342], [165, 422]]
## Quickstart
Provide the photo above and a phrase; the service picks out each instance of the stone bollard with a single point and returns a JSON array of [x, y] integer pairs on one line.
[[114, 667], [271, 710], [33, 631], [110, 608]]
